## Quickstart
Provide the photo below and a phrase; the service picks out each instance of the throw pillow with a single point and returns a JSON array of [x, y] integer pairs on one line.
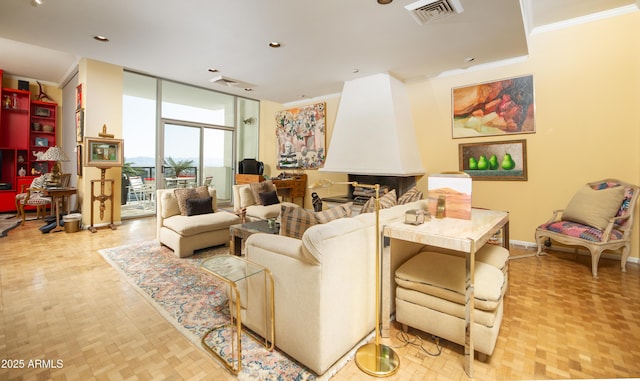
[[386, 201], [269, 198], [411, 195], [294, 220], [183, 194], [594, 207], [263, 186], [343, 210], [197, 206]]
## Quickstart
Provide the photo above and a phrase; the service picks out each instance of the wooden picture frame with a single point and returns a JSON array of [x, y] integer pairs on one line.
[[79, 160], [502, 107], [79, 97], [103, 152], [503, 160], [79, 125]]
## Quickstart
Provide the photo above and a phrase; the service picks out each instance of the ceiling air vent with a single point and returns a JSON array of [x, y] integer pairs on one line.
[[428, 10], [220, 80], [230, 82]]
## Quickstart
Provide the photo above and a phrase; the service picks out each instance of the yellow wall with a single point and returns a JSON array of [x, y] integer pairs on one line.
[[587, 92], [587, 81], [102, 88]]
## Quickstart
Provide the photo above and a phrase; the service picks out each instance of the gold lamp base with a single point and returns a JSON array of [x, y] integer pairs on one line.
[[377, 360]]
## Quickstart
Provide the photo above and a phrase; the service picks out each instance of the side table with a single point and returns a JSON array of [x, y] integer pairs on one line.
[[466, 236], [240, 232], [231, 270], [57, 196]]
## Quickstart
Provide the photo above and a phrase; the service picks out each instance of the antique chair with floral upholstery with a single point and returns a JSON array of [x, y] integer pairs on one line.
[[598, 217]]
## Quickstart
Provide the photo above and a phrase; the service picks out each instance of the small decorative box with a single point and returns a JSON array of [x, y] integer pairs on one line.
[[416, 216]]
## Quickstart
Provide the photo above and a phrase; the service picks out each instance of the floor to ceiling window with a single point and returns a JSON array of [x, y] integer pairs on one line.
[[183, 136]]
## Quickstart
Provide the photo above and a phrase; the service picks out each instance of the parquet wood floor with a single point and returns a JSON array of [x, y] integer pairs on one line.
[[59, 300]]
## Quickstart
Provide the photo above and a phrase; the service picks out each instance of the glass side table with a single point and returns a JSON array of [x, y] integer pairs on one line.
[[233, 270]]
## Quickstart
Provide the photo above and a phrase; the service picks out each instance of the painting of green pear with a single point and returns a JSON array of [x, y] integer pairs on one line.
[[473, 163], [493, 162], [483, 163], [504, 160], [507, 162]]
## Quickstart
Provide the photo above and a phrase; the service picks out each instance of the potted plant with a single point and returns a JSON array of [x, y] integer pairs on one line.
[[178, 166]]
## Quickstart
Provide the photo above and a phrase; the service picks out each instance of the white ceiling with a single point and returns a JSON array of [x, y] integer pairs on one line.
[[323, 41]]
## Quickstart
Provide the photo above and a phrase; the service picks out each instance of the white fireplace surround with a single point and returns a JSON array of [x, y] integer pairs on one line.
[[374, 132]]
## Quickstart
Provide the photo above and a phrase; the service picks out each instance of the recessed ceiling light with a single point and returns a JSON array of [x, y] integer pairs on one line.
[[355, 71], [469, 59], [101, 38], [274, 44], [383, 2], [35, 3], [212, 70], [248, 89]]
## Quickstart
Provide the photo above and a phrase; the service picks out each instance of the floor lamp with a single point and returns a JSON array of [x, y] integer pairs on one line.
[[374, 359]]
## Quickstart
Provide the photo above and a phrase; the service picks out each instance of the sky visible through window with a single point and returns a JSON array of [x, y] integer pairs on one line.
[[139, 132]]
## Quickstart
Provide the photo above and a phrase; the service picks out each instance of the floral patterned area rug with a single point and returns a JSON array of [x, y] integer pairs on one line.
[[194, 301]]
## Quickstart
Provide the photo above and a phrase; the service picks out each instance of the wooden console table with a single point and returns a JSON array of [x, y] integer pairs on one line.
[[291, 188]]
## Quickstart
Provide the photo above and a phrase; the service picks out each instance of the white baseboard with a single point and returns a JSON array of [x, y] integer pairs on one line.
[[533, 246]]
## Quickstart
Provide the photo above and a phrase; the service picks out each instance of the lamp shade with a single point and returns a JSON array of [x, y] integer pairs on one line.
[[54, 154]]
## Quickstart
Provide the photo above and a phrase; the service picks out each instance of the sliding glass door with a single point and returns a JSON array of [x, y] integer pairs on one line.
[[217, 160], [195, 154], [181, 155], [199, 136]]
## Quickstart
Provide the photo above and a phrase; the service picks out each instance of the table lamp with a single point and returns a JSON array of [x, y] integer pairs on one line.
[[56, 155], [374, 359]]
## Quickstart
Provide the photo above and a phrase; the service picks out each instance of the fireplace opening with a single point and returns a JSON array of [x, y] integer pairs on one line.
[[359, 195]]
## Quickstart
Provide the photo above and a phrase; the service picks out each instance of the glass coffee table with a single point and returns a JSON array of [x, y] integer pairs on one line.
[[235, 272], [240, 232]]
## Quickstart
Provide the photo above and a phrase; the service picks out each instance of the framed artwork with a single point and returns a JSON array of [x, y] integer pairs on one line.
[[300, 135], [103, 153], [449, 195], [42, 142], [505, 160], [42, 112], [79, 97], [493, 108], [40, 167], [79, 160], [79, 125]]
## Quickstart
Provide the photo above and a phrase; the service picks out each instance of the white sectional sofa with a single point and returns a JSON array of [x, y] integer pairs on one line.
[[324, 286]]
